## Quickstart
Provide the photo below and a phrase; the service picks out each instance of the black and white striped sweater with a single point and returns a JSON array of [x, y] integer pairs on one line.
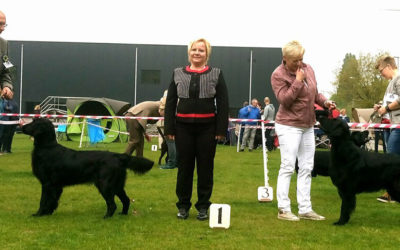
[[197, 97]]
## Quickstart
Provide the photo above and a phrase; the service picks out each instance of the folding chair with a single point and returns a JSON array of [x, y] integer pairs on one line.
[[364, 116], [321, 139]]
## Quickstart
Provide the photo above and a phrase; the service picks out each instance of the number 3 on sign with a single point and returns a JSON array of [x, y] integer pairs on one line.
[[265, 194], [220, 215]]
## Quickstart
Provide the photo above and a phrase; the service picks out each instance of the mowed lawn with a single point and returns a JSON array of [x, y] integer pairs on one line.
[[78, 222]]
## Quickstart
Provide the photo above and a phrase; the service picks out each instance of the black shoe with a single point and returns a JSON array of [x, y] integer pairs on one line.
[[202, 214], [182, 214]]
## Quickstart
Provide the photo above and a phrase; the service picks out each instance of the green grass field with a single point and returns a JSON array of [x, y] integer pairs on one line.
[[78, 222]]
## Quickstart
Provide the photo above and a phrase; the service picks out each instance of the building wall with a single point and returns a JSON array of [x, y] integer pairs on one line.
[[108, 70]]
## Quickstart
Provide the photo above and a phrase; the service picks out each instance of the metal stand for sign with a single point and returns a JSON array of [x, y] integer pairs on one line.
[[238, 140]]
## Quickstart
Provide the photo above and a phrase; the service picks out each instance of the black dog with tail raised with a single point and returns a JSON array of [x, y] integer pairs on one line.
[[355, 171], [56, 167]]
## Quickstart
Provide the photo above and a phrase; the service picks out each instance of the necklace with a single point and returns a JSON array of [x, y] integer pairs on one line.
[[197, 68]]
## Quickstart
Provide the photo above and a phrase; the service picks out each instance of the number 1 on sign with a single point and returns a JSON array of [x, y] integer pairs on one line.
[[220, 215]]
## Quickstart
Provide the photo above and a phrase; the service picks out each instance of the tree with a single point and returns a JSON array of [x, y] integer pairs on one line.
[[358, 83]]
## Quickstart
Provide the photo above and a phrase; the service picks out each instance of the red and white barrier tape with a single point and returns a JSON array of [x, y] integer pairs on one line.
[[351, 124], [81, 116]]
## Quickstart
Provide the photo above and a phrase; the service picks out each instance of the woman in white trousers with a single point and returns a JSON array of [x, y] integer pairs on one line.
[[295, 88]]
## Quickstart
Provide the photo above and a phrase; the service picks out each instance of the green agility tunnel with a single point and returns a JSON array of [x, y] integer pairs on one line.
[[98, 107]]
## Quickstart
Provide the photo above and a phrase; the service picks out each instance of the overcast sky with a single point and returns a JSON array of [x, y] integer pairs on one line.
[[327, 29]]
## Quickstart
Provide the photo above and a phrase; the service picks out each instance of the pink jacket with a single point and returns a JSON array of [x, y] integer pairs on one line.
[[296, 98]]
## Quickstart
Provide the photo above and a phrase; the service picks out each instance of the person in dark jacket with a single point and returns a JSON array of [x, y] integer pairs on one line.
[[196, 116]]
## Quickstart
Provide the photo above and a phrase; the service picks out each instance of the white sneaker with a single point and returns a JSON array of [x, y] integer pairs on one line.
[[282, 215], [311, 216]]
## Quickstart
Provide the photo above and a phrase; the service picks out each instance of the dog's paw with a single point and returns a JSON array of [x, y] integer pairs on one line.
[[38, 214], [107, 216], [339, 223]]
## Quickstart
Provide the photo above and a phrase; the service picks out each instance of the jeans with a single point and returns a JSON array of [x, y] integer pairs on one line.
[[249, 134], [379, 135], [392, 138], [295, 142], [269, 140], [7, 137], [172, 158]]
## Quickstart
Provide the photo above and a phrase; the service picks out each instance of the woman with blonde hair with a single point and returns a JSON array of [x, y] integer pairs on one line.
[[344, 116], [295, 88], [196, 116]]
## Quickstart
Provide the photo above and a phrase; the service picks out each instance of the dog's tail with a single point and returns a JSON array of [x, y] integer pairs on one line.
[[139, 165]]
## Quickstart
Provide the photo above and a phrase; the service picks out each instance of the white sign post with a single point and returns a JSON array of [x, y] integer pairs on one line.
[[265, 193]]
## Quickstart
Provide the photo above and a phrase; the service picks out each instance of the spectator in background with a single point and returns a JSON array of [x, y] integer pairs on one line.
[[390, 107], [240, 126], [160, 123], [378, 133], [9, 106], [137, 128], [37, 109], [295, 88], [250, 112], [196, 117], [269, 115], [172, 161], [343, 115], [6, 87]]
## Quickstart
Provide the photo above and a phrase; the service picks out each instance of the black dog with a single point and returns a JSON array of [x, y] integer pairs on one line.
[[322, 159], [354, 171], [164, 147], [56, 167]]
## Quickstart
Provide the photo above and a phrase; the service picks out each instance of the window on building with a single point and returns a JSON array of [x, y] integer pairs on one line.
[[150, 76]]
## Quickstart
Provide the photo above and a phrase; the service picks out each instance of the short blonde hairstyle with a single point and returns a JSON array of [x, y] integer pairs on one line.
[[384, 61], [208, 47], [293, 49], [266, 99], [343, 111]]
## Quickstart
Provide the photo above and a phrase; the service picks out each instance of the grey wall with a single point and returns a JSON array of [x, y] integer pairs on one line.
[[107, 70]]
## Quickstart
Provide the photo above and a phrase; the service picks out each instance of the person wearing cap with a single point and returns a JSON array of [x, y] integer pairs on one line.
[[295, 88], [137, 127], [390, 107]]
